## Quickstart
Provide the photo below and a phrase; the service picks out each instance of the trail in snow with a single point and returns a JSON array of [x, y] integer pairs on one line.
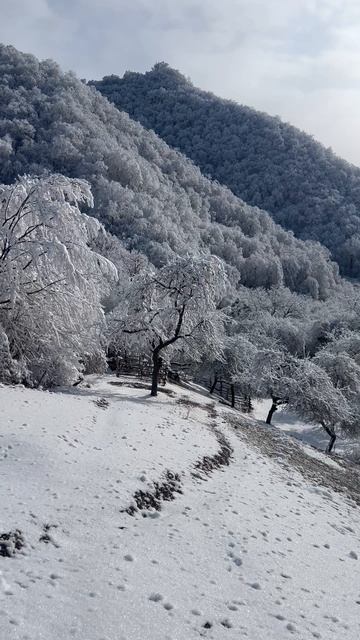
[[256, 550]]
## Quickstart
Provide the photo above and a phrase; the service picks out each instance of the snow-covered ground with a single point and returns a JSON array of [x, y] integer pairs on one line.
[[293, 425], [250, 551]]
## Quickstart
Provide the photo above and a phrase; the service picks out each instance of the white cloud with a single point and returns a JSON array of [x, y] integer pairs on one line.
[[295, 58]]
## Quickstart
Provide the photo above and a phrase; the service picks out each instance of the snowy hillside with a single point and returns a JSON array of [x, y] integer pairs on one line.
[[242, 545]]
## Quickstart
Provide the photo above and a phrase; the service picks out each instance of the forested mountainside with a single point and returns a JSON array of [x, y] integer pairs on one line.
[[190, 273], [266, 162], [146, 193]]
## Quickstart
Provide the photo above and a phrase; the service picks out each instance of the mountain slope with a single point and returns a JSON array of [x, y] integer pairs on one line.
[[266, 162], [254, 549], [149, 195]]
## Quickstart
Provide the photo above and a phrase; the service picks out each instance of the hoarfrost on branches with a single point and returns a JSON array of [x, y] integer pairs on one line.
[[52, 282], [174, 310]]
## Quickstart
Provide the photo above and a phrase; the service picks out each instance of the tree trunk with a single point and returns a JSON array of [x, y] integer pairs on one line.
[[273, 408], [246, 405], [43, 376], [332, 435], [157, 362], [212, 388], [164, 377], [232, 389], [249, 405]]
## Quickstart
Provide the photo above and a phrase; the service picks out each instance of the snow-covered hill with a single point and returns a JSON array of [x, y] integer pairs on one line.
[[243, 545]]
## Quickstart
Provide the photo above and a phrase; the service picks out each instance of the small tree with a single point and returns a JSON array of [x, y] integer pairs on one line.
[[314, 397], [305, 387], [273, 370], [174, 309]]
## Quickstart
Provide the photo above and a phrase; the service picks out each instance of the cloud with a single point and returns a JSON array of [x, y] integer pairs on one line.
[[298, 59]]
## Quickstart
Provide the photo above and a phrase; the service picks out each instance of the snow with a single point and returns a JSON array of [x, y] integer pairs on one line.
[[248, 551]]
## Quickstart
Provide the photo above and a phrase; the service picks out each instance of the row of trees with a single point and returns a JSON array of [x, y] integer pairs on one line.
[[269, 343], [298, 352], [69, 291]]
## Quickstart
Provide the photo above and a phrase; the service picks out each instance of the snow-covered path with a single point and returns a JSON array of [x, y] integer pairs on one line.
[[252, 551]]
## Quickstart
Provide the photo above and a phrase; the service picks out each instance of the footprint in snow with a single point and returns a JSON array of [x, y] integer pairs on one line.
[[156, 597], [255, 585], [226, 623]]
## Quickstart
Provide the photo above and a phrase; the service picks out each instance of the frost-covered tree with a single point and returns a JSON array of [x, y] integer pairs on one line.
[[313, 396], [51, 281], [174, 310], [273, 372], [235, 367], [239, 357], [272, 319], [305, 386]]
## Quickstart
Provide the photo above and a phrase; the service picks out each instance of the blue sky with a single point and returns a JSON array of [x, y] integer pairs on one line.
[[299, 59]]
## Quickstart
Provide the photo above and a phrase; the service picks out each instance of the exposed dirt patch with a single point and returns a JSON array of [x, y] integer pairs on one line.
[[153, 499], [207, 464], [344, 479], [186, 402], [102, 403], [11, 542]]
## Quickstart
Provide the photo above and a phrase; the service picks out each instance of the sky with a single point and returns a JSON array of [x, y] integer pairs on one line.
[[299, 59]]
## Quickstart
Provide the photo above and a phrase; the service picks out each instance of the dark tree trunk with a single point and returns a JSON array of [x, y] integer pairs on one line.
[[246, 405], [157, 362], [273, 408], [156, 358], [164, 376], [43, 376], [213, 386], [232, 389], [331, 433]]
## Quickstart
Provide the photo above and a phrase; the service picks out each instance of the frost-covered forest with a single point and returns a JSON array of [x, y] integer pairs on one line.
[[113, 242], [147, 194], [266, 162]]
